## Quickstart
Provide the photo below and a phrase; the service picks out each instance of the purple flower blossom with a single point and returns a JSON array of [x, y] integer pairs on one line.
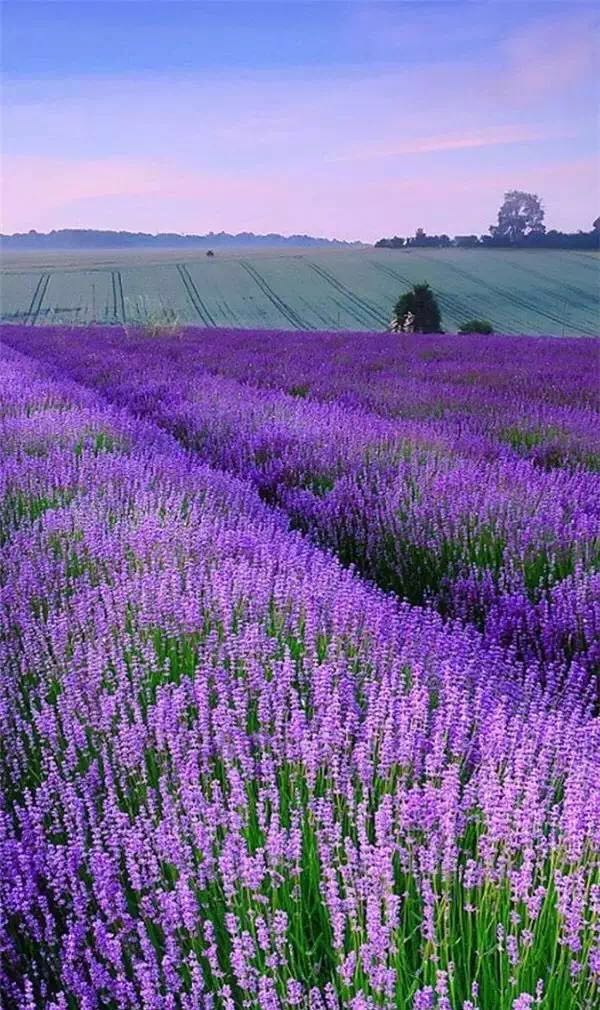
[[236, 773]]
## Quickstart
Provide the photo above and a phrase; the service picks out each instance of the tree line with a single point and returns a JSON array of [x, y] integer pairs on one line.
[[91, 238], [520, 225]]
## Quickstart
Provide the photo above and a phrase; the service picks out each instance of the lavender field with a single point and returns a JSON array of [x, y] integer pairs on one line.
[[299, 653]]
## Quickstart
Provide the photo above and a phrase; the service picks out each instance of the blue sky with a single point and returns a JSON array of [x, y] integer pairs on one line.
[[347, 119], [106, 37]]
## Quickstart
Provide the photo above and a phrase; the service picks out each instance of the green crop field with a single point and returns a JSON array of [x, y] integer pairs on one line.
[[538, 292]]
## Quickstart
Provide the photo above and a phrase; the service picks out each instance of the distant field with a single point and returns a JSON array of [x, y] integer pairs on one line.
[[538, 292]]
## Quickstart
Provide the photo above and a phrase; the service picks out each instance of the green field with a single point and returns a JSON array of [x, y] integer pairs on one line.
[[538, 292]]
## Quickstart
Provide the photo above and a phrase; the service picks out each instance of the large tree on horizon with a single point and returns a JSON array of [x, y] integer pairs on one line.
[[520, 215]]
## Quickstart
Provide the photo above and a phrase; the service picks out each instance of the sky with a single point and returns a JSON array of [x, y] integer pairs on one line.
[[352, 120]]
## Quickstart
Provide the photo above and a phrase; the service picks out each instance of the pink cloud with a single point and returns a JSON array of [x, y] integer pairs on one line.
[[347, 202], [45, 192], [39, 185], [485, 137]]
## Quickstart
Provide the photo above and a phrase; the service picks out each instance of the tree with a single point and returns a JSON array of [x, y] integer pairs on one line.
[[423, 240], [596, 224], [466, 241], [520, 215], [397, 242], [421, 303]]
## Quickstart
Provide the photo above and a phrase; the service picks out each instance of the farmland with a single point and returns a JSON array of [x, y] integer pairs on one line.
[[554, 293], [299, 660]]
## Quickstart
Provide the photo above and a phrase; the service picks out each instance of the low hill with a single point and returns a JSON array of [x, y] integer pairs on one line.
[[87, 238]]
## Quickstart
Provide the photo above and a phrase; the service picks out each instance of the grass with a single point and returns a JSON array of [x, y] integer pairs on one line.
[[544, 292]]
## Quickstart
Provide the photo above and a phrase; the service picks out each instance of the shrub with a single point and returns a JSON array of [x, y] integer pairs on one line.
[[477, 326]]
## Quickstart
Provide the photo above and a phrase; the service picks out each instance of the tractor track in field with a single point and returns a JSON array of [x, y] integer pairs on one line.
[[286, 310], [38, 297], [359, 303], [117, 294], [229, 315], [453, 304], [449, 303], [114, 293], [513, 299], [506, 296], [29, 312], [351, 311], [194, 295], [578, 294], [587, 260], [121, 297], [319, 313]]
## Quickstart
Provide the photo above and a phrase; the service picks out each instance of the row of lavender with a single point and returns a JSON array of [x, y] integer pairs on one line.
[[234, 775], [492, 395], [444, 509]]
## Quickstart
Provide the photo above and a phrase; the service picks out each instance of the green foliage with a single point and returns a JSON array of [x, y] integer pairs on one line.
[[301, 390], [397, 242], [524, 439], [422, 303], [520, 215], [477, 326], [466, 241]]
